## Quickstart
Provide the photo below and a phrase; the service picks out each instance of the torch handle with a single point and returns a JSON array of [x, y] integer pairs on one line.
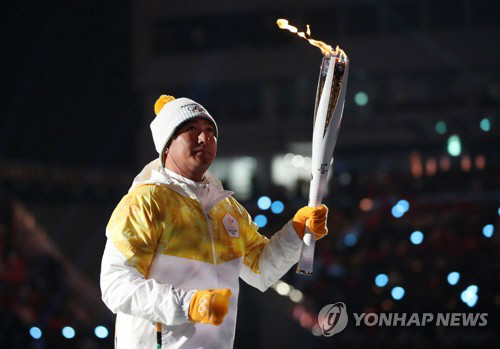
[[306, 260]]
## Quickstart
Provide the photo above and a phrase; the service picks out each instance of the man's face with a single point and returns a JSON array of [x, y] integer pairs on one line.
[[192, 149]]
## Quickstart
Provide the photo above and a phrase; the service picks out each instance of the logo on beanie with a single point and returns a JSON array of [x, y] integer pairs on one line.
[[193, 107]]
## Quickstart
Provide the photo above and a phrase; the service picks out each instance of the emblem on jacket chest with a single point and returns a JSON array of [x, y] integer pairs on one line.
[[231, 225]]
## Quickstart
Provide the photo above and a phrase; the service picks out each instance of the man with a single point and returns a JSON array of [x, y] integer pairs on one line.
[[177, 242]]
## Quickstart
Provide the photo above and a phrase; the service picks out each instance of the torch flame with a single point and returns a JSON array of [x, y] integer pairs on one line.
[[326, 49], [283, 24]]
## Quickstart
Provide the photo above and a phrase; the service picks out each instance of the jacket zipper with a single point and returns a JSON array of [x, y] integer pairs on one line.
[[209, 222]]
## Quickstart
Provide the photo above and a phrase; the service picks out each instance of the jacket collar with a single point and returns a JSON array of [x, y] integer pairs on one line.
[[210, 190]]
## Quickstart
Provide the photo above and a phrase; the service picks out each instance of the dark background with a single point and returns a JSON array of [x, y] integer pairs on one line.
[[80, 80]]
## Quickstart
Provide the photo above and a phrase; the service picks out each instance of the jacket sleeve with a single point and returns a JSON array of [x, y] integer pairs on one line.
[[132, 235], [267, 260]]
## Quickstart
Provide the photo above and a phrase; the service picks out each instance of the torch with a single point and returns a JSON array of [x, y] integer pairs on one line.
[[329, 106]]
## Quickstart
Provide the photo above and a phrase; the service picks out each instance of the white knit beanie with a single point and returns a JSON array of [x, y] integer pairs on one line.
[[170, 114]]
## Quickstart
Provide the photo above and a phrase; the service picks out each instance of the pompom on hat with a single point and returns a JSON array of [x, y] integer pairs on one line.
[[170, 114]]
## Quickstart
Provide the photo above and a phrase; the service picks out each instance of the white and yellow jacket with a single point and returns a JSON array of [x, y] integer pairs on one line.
[[170, 236]]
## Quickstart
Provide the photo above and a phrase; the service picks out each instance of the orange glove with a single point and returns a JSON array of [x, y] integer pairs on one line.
[[314, 217], [209, 306]]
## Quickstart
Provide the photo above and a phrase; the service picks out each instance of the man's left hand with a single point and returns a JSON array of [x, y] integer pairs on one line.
[[314, 218]]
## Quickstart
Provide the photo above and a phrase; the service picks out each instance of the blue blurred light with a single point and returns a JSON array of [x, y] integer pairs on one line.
[[440, 127], [350, 239], [264, 202], [498, 211], [472, 301], [101, 332], [277, 207], [485, 125], [35, 332], [465, 296], [397, 211], [488, 230], [405, 205], [361, 98], [399, 208], [469, 295], [454, 145], [68, 332], [453, 277], [260, 220], [416, 237], [381, 280], [336, 270], [397, 292], [473, 288]]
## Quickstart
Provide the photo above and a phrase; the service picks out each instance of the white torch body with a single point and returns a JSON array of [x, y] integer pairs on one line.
[[330, 98]]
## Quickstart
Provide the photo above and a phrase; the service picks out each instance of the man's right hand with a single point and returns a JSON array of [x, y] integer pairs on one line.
[[209, 306]]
